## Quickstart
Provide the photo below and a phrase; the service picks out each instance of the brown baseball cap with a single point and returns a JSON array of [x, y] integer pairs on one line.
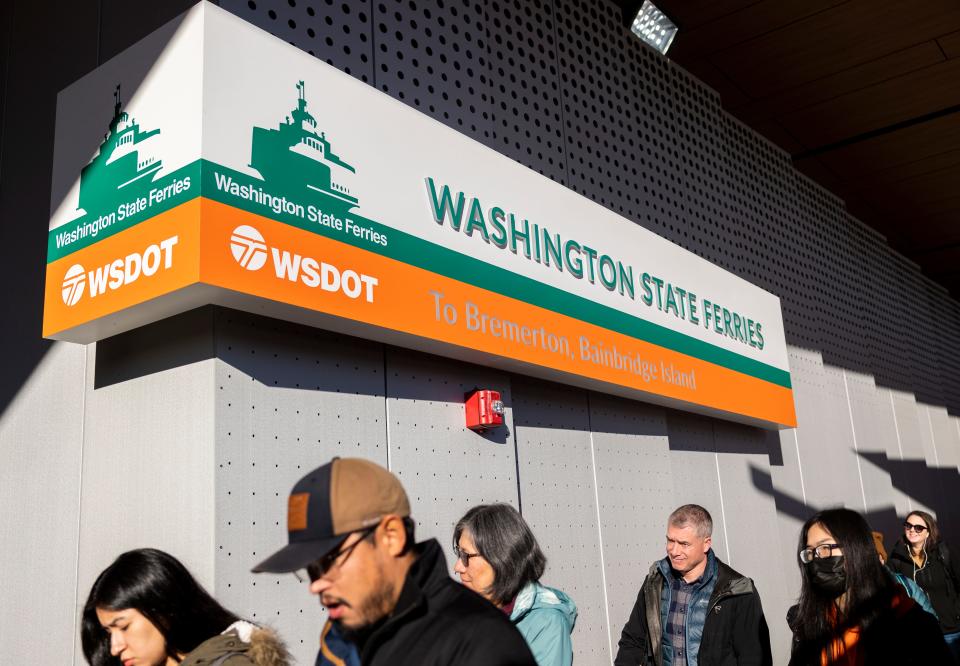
[[343, 496]]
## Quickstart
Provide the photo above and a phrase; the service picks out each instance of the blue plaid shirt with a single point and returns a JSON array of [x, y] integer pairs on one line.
[[675, 630]]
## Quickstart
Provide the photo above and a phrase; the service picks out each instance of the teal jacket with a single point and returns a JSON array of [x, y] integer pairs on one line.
[[545, 617], [916, 592]]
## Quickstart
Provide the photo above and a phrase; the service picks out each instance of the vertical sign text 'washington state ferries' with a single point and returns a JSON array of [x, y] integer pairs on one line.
[[212, 163]]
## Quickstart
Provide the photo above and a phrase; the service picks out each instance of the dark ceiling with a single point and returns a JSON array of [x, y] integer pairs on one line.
[[864, 94]]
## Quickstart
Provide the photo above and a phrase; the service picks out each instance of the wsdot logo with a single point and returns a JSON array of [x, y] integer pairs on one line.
[[73, 283], [248, 247], [117, 273], [251, 251]]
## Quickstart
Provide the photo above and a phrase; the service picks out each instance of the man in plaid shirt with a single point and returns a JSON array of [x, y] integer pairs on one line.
[[692, 608]]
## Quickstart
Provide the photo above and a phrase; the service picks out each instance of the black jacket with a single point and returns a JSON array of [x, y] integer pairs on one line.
[[938, 578], [735, 632], [438, 622], [907, 638]]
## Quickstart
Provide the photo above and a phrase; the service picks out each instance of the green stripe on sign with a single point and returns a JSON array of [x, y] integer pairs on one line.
[[263, 199], [126, 208]]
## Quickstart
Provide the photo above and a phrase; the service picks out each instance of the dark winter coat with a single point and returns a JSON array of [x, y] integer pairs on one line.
[[263, 648], [939, 577], [908, 636], [438, 622], [734, 631]]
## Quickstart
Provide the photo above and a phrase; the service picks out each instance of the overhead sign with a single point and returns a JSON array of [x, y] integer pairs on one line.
[[214, 163]]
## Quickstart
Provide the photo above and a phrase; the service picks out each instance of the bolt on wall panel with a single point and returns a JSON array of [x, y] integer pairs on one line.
[[445, 467], [558, 500], [634, 493], [288, 399]]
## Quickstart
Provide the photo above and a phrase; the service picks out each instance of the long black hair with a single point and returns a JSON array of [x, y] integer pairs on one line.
[[162, 590], [505, 541], [869, 589]]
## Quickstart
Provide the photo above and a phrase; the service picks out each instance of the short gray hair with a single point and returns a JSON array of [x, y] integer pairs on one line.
[[695, 516]]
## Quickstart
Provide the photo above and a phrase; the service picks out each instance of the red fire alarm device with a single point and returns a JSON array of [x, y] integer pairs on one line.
[[484, 409]]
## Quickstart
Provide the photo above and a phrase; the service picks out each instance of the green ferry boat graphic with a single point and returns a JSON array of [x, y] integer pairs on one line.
[[124, 158], [296, 157]]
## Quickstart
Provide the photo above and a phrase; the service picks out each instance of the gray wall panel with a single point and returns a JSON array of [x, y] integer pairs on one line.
[[910, 438], [693, 461], [635, 493], [753, 536], [872, 425], [288, 399], [837, 483], [445, 467], [947, 443], [41, 444], [557, 491], [148, 470]]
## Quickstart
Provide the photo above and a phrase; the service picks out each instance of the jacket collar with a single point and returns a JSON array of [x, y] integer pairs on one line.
[[664, 569], [426, 576]]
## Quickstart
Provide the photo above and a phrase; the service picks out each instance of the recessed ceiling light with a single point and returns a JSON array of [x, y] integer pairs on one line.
[[654, 27]]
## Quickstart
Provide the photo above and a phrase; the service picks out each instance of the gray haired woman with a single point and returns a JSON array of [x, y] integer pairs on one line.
[[499, 558]]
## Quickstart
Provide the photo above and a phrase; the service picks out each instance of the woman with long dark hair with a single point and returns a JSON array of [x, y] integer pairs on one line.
[[499, 558], [850, 610], [923, 556], [146, 609]]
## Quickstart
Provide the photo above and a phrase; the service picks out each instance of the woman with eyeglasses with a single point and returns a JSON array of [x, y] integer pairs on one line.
[[146, 609], [499, 558], [850, 611], [924, 557]]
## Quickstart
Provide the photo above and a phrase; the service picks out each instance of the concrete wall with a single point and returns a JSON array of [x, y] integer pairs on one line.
[[186, 435]]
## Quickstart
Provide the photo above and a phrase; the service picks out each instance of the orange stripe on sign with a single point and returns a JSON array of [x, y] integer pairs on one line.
[[294, 266], [153, 258]]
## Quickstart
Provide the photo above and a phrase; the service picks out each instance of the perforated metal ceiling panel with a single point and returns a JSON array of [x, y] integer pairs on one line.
[[288, 399]]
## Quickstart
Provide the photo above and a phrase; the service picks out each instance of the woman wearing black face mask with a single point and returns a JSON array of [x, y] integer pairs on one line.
[[851, 612]]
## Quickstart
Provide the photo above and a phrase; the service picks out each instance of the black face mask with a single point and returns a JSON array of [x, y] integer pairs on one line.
[[827, 575]]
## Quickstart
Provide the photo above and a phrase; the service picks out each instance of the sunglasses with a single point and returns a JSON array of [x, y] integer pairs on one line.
[[919, 529]]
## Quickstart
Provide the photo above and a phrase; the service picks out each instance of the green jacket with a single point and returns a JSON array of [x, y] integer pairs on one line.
[[242, 644], [545, 617]]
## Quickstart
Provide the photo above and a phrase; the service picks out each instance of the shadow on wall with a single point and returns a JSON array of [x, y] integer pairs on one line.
[[47, 52], [914, 478], [235, 337]]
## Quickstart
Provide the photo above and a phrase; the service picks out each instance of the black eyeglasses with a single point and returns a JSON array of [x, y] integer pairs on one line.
[[337, 557], [820, 552], [464, 556], [919, 529]]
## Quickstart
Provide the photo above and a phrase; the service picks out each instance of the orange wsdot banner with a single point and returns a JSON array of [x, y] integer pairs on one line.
[[258, 256], [139, 265]]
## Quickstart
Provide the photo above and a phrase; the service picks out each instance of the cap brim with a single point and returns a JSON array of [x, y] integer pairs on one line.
[[297, 555]]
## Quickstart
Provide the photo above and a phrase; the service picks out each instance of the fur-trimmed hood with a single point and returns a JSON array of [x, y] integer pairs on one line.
[[242, 644]]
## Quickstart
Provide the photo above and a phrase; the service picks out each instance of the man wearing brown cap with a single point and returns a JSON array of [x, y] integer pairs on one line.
[[349, 527]]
